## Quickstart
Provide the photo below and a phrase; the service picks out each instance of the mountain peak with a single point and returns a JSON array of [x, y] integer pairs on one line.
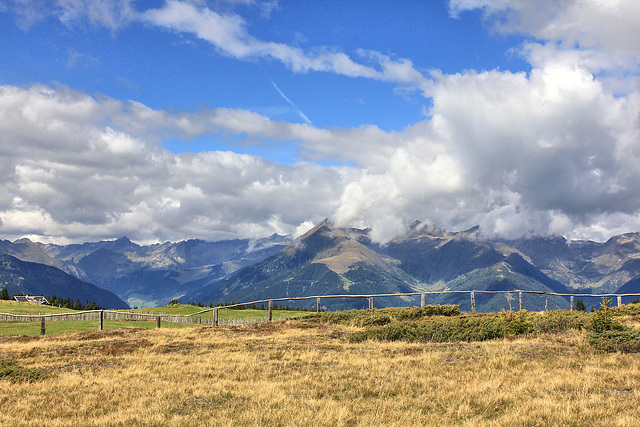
[[23, 241], [322, 224]]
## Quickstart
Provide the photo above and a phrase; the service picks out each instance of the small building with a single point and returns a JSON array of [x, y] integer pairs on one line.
[[31, 298]]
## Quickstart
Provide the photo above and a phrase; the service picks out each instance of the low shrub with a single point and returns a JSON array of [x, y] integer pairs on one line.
[[471, 327], [609, 335], [602, 319], [384, 316], [626, 310], [626, 340], [561, 320], [10, 370]]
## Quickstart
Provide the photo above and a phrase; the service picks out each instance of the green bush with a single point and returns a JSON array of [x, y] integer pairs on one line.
[[470, 327], [384, 316], [518, 323], [626, 310], [10, 370], [561, 320], [609, 335], [626, 340], [602, 319]]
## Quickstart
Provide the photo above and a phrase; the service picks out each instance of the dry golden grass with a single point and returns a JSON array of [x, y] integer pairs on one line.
[[291, 374]]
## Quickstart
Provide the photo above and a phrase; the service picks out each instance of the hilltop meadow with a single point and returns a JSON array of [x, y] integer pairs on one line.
[[405, 366]]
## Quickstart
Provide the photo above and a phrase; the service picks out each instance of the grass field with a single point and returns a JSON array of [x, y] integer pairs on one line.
[[309, 372], [15, 307], [63, 327], [248, 314]]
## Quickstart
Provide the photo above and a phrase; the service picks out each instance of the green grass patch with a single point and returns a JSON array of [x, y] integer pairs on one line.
[[15, 307], [246, 314], [11, 371]]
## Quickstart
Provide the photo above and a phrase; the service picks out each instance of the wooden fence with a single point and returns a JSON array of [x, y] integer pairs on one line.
[[193, 318]]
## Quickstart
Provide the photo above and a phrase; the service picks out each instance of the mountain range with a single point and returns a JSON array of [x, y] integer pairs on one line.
[[330, 260]]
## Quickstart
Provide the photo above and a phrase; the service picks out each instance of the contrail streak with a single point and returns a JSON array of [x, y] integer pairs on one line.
[[290, 102]]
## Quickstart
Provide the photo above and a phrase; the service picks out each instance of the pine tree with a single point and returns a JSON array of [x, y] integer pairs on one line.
[[5, 294], [580, 305]]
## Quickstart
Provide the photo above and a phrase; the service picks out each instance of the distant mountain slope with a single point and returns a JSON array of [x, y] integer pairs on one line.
[[329, 260], [155, 274], [39, 279], [324, 261], [27, 250], [432, 256], [332, 260], [584, 264]]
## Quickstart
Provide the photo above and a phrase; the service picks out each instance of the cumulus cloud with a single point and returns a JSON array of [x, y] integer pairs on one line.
[[591, 26], [550, 151], [68, 173]]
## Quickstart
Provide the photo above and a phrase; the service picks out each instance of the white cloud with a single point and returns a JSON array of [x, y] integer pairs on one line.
[[111, 14], [589, 26], [552, 150], [547, 152], [70, 174], [229, 34]]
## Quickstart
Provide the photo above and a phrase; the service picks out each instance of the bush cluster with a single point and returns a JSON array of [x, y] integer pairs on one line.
[[561, 320], [608, 334], [384, 316], [467, 327], [444, 323], [626, 310]]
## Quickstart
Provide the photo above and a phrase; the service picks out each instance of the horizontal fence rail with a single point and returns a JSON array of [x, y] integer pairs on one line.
[[193, 318]]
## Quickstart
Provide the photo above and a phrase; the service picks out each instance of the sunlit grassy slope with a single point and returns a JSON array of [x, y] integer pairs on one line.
[[15, 307]]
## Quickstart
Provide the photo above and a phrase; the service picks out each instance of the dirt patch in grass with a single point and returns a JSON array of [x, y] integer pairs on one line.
[[179, 347]]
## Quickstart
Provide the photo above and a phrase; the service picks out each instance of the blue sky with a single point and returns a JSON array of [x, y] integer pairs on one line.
[[165, 69], [167, 120]]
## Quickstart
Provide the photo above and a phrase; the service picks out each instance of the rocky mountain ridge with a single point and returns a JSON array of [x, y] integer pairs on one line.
[[332, 260]]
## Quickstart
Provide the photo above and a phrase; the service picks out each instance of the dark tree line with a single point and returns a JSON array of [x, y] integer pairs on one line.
[[74, 305]]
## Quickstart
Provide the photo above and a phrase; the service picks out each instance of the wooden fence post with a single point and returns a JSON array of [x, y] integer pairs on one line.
[[422, 298], [546, 304], [101, 320], [370, 303], [317, 305], [215, 317], [520, 297], [619, 301], [43, 327], [270, 310], [473, 302], [158, 322], [571, 303]]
